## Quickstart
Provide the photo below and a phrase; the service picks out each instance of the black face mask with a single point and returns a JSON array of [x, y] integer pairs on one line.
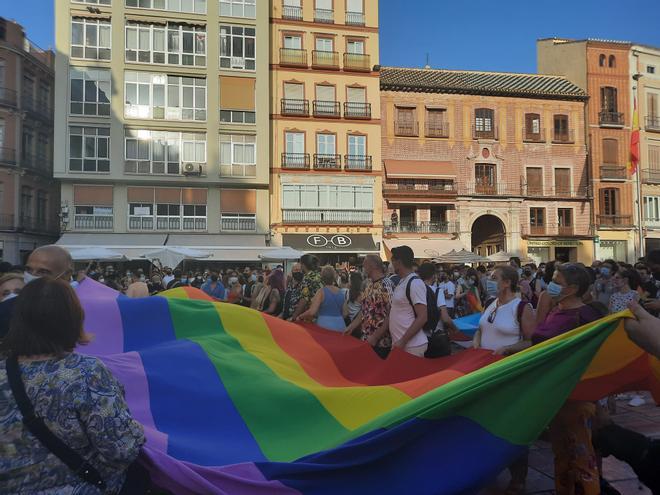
[[298, 276]]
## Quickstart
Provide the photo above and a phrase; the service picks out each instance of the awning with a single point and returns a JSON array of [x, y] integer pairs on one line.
[[106, 240], [425, 248], [419, 169], [218, 240], [282, 254], [331, 243]]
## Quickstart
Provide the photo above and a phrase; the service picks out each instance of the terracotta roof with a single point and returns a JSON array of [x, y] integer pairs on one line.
[[480, 83]]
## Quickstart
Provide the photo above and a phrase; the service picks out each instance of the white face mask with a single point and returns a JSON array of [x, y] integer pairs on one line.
[[102, 280], [9, 296], [28, 277]]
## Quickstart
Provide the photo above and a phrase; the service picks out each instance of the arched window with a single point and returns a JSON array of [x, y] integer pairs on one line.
[[612, 61], [601, 60]]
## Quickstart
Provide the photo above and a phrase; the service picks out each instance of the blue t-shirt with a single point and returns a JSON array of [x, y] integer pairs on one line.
[[217, 293]]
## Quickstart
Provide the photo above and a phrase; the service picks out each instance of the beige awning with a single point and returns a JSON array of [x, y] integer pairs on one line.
[[420, 169], [425, 248]]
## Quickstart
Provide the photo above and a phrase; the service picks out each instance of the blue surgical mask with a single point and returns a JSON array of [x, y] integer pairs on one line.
[[605, 272], [74, 284], [491, 287], [28, 277], [554, 289]]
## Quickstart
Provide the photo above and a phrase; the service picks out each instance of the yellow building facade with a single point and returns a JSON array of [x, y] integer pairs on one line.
[[326, 185]]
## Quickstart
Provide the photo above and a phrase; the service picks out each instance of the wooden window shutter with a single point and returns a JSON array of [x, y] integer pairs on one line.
[[610, 151], [534, 180], [654, 157], [563, 180], [238, 201], [237, 93]]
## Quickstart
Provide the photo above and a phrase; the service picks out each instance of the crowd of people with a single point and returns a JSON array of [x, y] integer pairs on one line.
[[388, 305]]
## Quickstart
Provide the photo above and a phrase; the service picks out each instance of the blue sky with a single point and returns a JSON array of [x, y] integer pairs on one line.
[[497, 35]]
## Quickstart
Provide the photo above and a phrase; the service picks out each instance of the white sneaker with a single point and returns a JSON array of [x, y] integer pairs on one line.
[[637, 401]]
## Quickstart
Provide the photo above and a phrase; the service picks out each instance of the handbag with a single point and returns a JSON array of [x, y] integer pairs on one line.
[[137, 478]]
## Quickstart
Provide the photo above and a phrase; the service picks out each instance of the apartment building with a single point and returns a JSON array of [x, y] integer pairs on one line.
[[29, 198], [602, 69], [325, 125], [485, 161], [164, 133], [645, 86]]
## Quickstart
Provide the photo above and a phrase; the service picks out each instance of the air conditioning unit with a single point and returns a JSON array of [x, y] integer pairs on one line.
[[194, 169]]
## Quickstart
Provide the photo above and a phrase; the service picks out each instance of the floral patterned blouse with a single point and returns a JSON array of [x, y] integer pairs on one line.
[[310, 285], [375, 308], [83, 404]]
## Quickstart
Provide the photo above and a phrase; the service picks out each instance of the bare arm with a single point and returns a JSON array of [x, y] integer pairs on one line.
[[313, 307], [420, 320], [274, 301], [528, 322], [375, 337], [354, 324], [447, 321], [543, 308]]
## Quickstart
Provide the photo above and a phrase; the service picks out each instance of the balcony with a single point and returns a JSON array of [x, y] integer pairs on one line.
[[295, 108], [37, 107], [653, 124], [358, 163], [535, 230], [296, 161], [649, 223], [420, 188], [324, 16], [529, 136], [6, 221], [406, 227], [651, 176], [613, 172], [328, 217], [355, 19], [610, 119], [140, 222], [327, 162], [437, 129], [293, 57], [555, 192], [486, 189], [326, 109], [93, 222], [325, 60], [357, 62], [615, 221], [7, 156], [484, 132], [406, 129], [197, 224], [238, 223], [566, 137], [357, 110], [566, 231], [292, 13], [8, 97]]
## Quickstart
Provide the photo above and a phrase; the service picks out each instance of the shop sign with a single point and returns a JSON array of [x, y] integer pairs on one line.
[[555, 243], [337, 241], [363, 243]]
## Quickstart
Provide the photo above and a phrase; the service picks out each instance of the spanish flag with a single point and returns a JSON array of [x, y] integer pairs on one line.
[[634, 143]]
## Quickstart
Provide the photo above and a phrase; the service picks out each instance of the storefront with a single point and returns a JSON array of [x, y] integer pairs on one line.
[[565, 250], [333, 248]]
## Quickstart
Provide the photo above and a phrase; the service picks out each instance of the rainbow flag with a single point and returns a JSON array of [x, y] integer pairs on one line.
[[633, 162], [235, 402]]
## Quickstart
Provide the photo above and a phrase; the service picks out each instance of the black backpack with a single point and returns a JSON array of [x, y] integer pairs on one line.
[[432, 311]]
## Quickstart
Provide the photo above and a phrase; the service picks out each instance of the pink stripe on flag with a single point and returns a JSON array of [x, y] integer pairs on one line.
[[102, 319], [129, 370]]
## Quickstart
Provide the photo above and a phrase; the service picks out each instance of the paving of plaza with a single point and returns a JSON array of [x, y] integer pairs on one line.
[[644, 419]]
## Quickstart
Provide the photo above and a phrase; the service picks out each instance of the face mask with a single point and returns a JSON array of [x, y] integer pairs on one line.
[[184, 280], [456, 274], [491, 287], [9, 296], [233, 280], [102, 280], [253, 278], [74, 284], [143, 278], [605, 272], [554, 289]]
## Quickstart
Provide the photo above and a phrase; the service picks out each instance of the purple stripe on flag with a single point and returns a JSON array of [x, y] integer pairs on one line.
[[184, 478], [128, 369], [102, 319]]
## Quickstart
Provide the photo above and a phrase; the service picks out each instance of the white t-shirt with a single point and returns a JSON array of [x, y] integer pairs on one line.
[[402, 314], [505, 329], [451, 290], [167, 279]]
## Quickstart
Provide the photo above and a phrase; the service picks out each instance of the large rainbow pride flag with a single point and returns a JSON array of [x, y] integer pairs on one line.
[[234, 402]]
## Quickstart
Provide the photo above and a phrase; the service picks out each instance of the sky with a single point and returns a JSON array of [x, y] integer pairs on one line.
[[493, 35]]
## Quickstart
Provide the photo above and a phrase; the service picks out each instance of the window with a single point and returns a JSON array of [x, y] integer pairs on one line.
[[561, 128], [652, 109], [190, 6], [650, 69], [563, 181], [28, 88], [294, 142], [239, 8], [652, 208], [43, 149], [485, 176], [237, 47], [162, 153], [89, 149], [565, 218], [27, 144], [601, 60], [176, 44], [93, 217], [330, 197], [323, 11], [159, 96], [355, 47], [436, 122], [608, 99], [294, 91], [483, 123], [356, 95], [237, 117], [194, 217], [293, 42], [654, 157], [357, 145], [611, 61], [537, 217], [292, 9], [532, 125], [406, 121], [238, 155], [324, 44], [326, 144], [609, 202], [2, 133], [534, 181], [90, 38], [26, 202], [95, 2], [610, 151], [355, 12], [42, 203], [90, 92]]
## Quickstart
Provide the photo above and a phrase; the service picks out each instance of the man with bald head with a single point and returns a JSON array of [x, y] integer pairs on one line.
[[46, 261]]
